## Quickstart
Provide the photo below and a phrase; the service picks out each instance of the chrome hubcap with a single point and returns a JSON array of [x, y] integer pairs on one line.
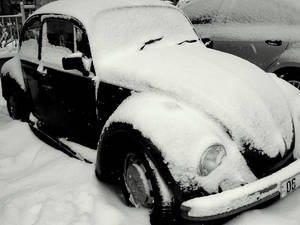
[[12, 108], [137, 183], [295, 83]]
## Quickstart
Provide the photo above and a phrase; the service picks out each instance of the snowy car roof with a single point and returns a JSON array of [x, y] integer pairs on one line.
[[86, 10]]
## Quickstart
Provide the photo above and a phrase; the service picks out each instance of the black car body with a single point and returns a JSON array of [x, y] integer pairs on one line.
[[174, 124]]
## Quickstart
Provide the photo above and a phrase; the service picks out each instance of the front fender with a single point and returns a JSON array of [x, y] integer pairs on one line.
[[182, 134]]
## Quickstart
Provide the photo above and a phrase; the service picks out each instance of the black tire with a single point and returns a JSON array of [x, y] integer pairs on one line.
[[290, 76], [17, 107], [161, 211]]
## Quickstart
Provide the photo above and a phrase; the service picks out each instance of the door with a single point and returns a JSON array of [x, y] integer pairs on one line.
[[68, 96], [29, 58]]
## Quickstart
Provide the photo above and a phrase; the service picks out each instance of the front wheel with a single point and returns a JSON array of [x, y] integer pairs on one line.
[[144, 188]]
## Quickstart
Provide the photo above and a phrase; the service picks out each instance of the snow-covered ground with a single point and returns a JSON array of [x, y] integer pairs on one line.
[[42, 186]]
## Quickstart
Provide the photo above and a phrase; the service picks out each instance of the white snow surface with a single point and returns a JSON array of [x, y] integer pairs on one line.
[[231, 90], [8, 51], [87, 10], [42, 186], [183, 134]]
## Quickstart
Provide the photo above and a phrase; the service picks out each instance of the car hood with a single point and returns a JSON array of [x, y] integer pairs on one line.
[[232, 91]]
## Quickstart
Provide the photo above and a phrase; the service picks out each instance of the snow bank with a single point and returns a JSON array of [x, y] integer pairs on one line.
[[42, 186], [9, 51]]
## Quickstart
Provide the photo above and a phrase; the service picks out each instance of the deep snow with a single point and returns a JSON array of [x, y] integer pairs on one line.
[[42, 186]]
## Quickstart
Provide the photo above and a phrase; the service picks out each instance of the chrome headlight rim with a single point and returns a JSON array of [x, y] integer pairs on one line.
[[211, 158]]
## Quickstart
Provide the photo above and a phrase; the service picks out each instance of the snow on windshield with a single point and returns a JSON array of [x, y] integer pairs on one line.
[[131, 28]]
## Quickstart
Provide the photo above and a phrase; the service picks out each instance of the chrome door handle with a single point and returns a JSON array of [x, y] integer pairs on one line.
[[274, 42], [42, 70], [47, 87]]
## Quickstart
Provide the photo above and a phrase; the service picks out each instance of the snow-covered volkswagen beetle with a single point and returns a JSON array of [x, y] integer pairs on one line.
[[191, 133]]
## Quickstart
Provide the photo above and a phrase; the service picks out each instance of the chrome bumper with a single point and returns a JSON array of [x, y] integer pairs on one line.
[[231, 202]]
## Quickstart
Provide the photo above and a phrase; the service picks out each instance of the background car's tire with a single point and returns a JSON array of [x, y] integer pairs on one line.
[[122, 147], [290, 75], [16, 106], [141, 188]]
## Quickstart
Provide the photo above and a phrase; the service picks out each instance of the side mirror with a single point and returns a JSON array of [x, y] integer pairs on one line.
[[208, 42], [74, 61]]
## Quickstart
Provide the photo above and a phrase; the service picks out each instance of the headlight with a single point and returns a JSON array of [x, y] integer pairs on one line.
[[211, 159]]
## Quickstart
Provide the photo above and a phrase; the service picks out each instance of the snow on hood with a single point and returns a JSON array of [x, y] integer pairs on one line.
[[230, 90]]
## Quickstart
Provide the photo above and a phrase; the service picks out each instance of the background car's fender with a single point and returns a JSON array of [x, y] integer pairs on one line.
[[289, 60], [181, 134]]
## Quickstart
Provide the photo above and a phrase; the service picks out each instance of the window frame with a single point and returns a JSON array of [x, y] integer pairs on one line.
[[75, 22], [27, 24]]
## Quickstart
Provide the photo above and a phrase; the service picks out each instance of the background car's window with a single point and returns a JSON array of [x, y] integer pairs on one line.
[[254, 11], [204, 11], [57, 41], [29, 40], [289, 11]]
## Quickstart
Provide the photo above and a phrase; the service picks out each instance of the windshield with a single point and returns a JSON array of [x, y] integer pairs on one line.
[[140, 27]]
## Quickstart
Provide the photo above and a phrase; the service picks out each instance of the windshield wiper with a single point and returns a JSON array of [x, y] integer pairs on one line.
[[187, 41], [151, 41]]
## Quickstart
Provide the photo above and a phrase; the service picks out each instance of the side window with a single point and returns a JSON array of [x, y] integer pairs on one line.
[[60, 39], [81, 42], [57, 41], [29, 39], [203, 11]]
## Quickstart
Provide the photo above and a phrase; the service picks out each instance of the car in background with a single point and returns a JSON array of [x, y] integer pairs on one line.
[[189, 133], [266, 33]]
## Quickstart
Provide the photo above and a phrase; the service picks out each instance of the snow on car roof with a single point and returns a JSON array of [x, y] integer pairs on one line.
[[88, 9]]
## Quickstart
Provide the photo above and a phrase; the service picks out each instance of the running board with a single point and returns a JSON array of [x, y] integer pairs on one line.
[[56, 143]]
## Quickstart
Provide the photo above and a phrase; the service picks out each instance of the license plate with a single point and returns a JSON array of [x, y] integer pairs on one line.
[[289, 185]]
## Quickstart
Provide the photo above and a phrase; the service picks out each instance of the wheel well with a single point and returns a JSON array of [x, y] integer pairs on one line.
[[110, 158], [288, 71], [115, 142]]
